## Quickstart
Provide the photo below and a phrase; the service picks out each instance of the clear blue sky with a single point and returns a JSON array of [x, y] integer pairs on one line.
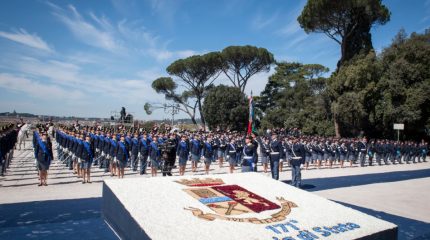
[[86, 58]]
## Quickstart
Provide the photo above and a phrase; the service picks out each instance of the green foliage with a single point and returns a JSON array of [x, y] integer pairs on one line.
[[197, 73], [226, 107], [346, 22], [240, 63], [354, 94], [166, 86], [295, 97], [147, 107], [405, 85], [369, 93]]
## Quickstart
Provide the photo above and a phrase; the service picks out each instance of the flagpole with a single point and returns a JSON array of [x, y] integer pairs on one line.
[[251, 113]]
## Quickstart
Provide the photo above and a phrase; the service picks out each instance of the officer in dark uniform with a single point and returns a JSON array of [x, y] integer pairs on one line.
[[78, 153], [265, 153], [276, 153], [113, 162], [196, 152], [169, 154], [106, 152], [255, 142], [154, 155], [8, 139], [87, 157], [122, 156], [99, 147], [95, 142], [44, 158], [231, 154], [183, 151], [249, 155], [208, 153], [143, 153], [127, 139], [423, 151], [134, 151], [297, 160], [371, 152], [362, 148]]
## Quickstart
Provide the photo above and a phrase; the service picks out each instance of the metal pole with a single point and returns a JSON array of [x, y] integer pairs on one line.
[[398, 135], [173, 115]]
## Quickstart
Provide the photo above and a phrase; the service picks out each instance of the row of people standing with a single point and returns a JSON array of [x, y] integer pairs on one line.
[[80, 150], [8, 139], [320, 150], [76, 150], [114, 150]]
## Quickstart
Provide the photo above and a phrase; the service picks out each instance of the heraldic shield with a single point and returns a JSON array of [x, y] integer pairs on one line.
[[228, 201]]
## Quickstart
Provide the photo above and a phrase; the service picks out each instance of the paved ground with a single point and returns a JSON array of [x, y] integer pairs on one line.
[[67, 209]]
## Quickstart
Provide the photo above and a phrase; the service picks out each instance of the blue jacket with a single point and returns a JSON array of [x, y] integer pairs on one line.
[[183, 150]]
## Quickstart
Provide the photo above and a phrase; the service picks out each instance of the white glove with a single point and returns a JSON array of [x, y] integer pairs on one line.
[[79, 160], [138, 155], [103, 154], [115, 160]]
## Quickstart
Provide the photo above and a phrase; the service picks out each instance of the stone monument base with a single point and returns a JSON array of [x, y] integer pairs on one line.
[[235, 206]]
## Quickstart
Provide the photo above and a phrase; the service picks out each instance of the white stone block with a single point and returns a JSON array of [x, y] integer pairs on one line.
[[244, 206]]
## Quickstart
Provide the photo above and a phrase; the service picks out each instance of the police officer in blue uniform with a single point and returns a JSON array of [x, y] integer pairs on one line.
[[249, 155], [183, 152], [276, 153], [122, 156], [208, 153], [134, 151], [196, 147], [87, 156], [297, 160], [143, 153], [154, 155]]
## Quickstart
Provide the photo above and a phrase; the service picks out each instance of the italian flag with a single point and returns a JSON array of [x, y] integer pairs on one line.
[[251, 116]]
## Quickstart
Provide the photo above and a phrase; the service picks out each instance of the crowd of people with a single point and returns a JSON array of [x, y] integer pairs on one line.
[[8, 139], [114, 149]]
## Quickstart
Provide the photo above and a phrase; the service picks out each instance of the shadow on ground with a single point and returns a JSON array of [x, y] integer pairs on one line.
[[409, 229], [54, 219], [319, 184]]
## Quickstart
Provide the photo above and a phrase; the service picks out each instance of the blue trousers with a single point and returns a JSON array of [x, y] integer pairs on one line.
[[70, 162], [274, 166], [143, 164], [296, 178], [106, 164], [247, 165], [134, 161]]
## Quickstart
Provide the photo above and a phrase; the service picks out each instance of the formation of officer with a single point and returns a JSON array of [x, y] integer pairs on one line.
[[8, 139], [115, 148]]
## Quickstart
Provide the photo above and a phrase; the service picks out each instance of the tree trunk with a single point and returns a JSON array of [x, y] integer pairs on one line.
[[202, 118], [193, 119], [336, 126]]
